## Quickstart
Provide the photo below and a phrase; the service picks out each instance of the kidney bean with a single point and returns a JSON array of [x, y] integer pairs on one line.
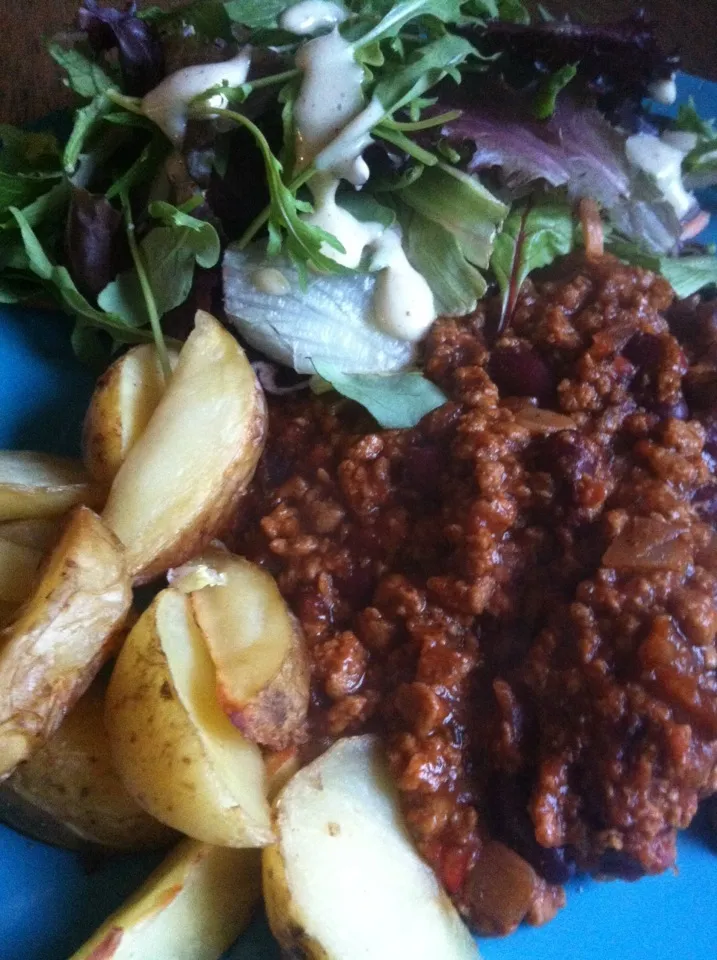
[[521, 372]]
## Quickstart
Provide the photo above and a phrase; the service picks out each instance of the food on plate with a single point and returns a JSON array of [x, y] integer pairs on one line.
[[257, 648], [37, 485], [471, 575], [192, 907], [68, 793], [173, 746], [180, 482], [281, 765], [122, 404], [18, 569], [507, 603], [342, 845], [39, 533], [61, 636]]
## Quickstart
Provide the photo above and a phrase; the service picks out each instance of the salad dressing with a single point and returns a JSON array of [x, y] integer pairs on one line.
[[330, 96], [272, 281], [403, 304], [330, 111], [662, 161], [664, 91], [310, 16], [168, 103], [352, 234]]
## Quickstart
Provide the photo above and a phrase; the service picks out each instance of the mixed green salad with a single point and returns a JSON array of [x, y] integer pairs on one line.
[[330, 177]]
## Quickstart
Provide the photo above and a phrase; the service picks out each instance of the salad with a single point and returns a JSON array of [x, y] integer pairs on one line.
[[395, 522], [206, 165]]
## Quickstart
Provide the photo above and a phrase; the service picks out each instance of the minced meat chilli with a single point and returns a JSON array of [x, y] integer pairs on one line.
[[520, 593]]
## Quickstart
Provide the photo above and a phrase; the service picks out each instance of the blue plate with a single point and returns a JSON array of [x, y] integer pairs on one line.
[[51, 900]]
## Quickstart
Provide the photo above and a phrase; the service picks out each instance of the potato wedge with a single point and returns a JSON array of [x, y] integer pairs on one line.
[[51, 652], [40, 533], [344, 880], [281, 765], [69, 794], [125, 398], [192, 907], [18, 569], [179, 485], [40, 485], [176, 751], [256, 644]]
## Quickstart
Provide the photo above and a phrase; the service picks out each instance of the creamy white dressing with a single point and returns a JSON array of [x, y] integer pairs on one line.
[[403, 304], [329, 97], [272, 281], [663, 162], [664, 91], [168, 104], [332, 129], [351, 233], [310, 16]]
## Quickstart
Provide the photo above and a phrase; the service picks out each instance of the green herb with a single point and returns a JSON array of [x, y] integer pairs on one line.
[[142, 272], [58, 281], [164, 263], [435, 252], [142, 169], [84, 75], [447, 11], [532, 237], [686, 275], [86, 123], [256, 14], [547, 96], [703, 158], [460, 204], [395, 401], [302, 241]]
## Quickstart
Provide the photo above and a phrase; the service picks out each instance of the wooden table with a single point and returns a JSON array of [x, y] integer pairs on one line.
[[29, 85]]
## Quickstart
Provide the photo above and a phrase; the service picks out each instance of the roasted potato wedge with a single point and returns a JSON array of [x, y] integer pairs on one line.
[[40, 485], [256, 644], [69, 794], [125, 398], [344, 880], [281, 765], [40, 533], [64, 632], [179, 485], [18, 569], [176, 751], [194, 906]]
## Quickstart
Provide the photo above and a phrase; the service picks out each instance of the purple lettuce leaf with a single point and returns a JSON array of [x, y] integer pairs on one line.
[[141, 58], [577, 149], [95, 243]]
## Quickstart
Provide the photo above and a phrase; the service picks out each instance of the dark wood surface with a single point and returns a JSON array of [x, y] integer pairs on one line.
[[29, 85]]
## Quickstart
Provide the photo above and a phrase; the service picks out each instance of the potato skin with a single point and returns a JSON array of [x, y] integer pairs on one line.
[[159, 752], [62, 635], [69, 794], [192, 907], [278, 712], [283, 921], [39, 485], [124, 399], [180, 485]]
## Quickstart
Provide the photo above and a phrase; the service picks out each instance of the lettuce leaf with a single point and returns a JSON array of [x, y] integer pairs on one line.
[[533, 236], [395, 401]]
